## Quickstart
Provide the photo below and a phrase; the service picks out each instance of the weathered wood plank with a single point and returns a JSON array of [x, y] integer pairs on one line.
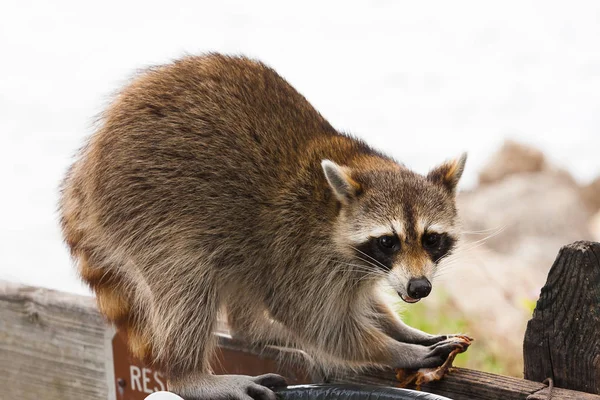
[[464, 384], [51, 345], [562, 394], [562, 340], [52, 348]]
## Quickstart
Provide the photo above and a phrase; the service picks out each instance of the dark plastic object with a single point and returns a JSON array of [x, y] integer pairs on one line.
[[352, 392]]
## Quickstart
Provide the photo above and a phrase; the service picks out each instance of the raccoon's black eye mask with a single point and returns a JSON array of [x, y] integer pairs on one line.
[[388, 243], [437, 245], [380, 251]]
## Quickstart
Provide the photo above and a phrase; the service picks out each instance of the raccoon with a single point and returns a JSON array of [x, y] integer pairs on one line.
[[212, 184]]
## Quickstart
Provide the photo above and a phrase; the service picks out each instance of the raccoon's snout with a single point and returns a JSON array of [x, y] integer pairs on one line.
[[418, 288]]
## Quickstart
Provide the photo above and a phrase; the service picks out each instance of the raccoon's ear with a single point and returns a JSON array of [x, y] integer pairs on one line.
[[448, 174], [338, 177]]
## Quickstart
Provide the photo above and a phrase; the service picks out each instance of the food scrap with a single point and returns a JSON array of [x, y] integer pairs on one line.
[[426, 375]]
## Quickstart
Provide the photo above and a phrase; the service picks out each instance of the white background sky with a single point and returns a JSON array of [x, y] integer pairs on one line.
[[422, 80]]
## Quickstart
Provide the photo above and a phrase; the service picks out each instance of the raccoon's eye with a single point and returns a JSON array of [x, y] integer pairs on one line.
[[388, 242], [431, 240]]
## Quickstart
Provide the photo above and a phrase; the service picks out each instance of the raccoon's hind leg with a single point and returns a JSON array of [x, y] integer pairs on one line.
[[184, 333], [114, 298], [228, 387], [250, 322]]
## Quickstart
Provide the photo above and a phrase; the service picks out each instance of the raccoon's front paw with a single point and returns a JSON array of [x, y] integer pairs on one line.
[[439, 352], [236, 387], [459, 343], [431, 340]]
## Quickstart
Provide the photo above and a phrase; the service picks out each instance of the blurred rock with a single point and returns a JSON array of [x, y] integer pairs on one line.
[[514, 224], [595, 226], [493, 290], [530, 214], [512, 158], [591, 195]]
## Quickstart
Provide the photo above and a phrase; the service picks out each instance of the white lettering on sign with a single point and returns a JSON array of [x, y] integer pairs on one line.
[[157, 378], [146, 379], [134, 376], [140, 378]]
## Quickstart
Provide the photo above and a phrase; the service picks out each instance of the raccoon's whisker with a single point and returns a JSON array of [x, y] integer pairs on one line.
[[346, 268], [366, 271], [459, 256], [443, 270], [469, 246], [377, 267], [447, 265], [354, 268], [362, 268], [376, 261], [448, 262], [368, 274], [442, 275], [371, 269], [495, 233], [484, 231]]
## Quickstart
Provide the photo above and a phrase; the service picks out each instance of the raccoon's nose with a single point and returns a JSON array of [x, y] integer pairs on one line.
[[418, 288]]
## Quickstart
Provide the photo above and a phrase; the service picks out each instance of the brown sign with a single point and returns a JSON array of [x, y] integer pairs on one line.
[[130, 379]]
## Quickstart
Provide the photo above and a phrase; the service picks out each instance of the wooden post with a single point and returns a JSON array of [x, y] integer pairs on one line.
[[562, 340]]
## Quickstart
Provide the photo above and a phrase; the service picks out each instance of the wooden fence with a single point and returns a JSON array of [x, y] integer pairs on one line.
[[55, 346]]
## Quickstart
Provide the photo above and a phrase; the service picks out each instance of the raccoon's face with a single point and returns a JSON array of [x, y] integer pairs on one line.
[[396, 223]]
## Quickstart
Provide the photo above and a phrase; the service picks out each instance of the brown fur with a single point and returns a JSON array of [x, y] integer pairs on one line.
[[203, 187]]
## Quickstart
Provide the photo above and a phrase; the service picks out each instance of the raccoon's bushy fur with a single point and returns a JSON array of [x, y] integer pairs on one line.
[[211, 183]]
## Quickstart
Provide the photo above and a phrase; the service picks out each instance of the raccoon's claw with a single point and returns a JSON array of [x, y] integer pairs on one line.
[[430, 341], [270, 380], [425, 375], [440, 351], [436, 339], [454, 344], [461, 336]]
